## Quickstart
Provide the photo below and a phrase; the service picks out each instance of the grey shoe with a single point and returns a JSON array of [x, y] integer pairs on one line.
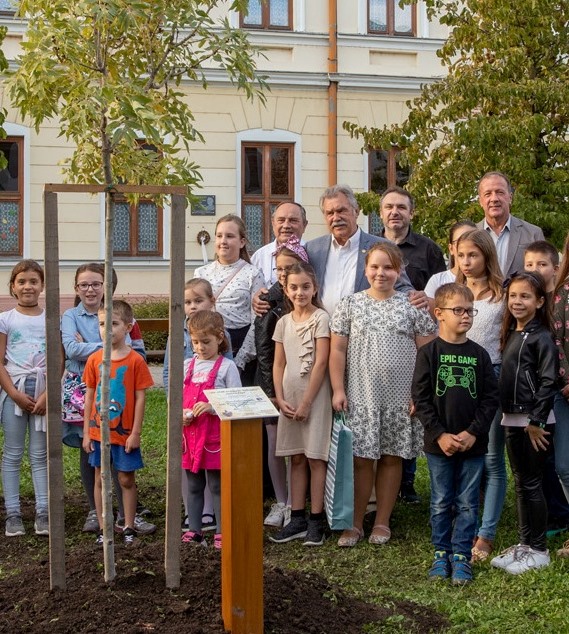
[[141, 526], [14, 526], [91, 523], [41, 525]]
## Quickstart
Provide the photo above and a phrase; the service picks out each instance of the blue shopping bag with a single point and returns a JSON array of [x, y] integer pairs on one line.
[[339, 492]]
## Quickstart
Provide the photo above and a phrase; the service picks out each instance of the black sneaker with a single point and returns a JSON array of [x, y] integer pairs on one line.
[[314, 533], [408, 494], [295, 529], [99, 541], [129, 536]]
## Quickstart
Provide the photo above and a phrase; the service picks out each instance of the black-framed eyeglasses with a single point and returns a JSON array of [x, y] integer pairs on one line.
[[282, 269], [459, 311], [84, 286]]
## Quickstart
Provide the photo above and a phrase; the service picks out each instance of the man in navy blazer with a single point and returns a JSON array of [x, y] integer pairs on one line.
[[510, 234], [341, 210]]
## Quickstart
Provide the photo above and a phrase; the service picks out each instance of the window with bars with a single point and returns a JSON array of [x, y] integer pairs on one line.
[[268, 14], [384, 171], [8, 6], [138, 229], [11, 197], [387, 17], [267, 180], [138, 226]]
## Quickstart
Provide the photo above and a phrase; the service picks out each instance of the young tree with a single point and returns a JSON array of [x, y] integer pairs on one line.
[[111, 71], [3, 68], [504, 105]]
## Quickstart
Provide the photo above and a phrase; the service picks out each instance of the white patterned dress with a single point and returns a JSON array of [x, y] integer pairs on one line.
[[379, 369]]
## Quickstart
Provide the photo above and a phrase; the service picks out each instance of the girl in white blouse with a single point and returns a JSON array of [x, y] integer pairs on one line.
[[234, 281], [480, 271]]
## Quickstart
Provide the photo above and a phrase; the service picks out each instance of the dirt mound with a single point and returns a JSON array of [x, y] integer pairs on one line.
[[137, 600]]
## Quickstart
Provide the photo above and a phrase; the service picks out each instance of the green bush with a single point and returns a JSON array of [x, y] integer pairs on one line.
[[152, 308]]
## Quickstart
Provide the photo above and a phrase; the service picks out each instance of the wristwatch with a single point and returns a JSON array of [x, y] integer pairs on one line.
[[536, 424]]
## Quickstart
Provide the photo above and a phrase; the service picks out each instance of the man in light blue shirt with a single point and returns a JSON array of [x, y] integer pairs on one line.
[[510, 234]]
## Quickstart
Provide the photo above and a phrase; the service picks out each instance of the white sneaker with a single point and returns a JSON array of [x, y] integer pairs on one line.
[[506, 557], [528, 559], [287, 515], [276, 515]]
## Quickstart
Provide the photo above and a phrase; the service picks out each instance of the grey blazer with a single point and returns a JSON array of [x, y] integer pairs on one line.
[[522, 234], [319, 248]]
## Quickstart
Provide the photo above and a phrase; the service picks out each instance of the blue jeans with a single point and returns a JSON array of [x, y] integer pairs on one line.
[[15, 428], [561, 411], [495, 478], [455, 493]]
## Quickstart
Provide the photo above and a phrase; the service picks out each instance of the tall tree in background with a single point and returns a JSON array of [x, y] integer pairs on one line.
[[504, 105], [110, 72]]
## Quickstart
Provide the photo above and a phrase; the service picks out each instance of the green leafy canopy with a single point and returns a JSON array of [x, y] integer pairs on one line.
[[504, 105], [111, 72], [3, 68]]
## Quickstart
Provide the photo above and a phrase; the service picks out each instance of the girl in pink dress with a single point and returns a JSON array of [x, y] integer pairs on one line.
[[201, 448]]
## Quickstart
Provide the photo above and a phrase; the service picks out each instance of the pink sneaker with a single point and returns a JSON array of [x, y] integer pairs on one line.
[[192, 537], [217, 541]]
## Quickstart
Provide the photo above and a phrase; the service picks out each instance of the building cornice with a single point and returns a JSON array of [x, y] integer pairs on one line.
[[315, 81], [15, 26], [263, 38]]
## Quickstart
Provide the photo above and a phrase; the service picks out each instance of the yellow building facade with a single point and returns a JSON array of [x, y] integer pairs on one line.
[[254, 156]]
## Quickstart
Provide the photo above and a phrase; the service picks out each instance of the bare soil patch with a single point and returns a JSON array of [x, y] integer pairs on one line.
[[137, 601]]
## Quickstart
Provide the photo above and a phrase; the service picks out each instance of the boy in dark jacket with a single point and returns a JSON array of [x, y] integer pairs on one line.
[[455, 394]]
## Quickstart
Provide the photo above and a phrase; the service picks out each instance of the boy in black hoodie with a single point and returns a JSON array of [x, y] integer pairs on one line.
[[455, 394]]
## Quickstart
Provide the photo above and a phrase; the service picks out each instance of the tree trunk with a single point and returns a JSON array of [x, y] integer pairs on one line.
[[108, 519]]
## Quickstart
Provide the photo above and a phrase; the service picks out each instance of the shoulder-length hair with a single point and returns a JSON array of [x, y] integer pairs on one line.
[[537, 283], [484, 243]]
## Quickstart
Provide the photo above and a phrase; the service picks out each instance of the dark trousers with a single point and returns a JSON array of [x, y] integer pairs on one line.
[[527, 467]]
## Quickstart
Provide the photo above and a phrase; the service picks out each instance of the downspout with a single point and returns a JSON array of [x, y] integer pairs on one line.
[[332, 93]]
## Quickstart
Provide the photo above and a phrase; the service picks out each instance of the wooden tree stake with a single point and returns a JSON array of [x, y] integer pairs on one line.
[[56, 482]]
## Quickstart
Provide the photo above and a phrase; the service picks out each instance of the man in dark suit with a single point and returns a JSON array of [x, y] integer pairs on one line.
[[339, 258], [510, 234]]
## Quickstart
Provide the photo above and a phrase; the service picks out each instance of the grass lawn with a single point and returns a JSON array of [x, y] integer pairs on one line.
[[495, 602]]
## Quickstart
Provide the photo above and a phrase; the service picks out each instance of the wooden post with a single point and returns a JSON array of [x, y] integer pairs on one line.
[[175, 382], [56, 483], [242, 526]]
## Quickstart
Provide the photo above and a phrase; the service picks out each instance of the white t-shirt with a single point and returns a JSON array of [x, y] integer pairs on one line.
[[437, 280], [227, 375], [340, 273], [25, 341]]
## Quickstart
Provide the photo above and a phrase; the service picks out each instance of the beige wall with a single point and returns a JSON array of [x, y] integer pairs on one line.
[[376, 76]]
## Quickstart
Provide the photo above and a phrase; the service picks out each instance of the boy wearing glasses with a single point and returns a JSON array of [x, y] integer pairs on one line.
[[455, 394]]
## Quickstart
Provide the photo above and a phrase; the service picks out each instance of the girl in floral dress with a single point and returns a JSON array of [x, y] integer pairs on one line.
[[375, 336]]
